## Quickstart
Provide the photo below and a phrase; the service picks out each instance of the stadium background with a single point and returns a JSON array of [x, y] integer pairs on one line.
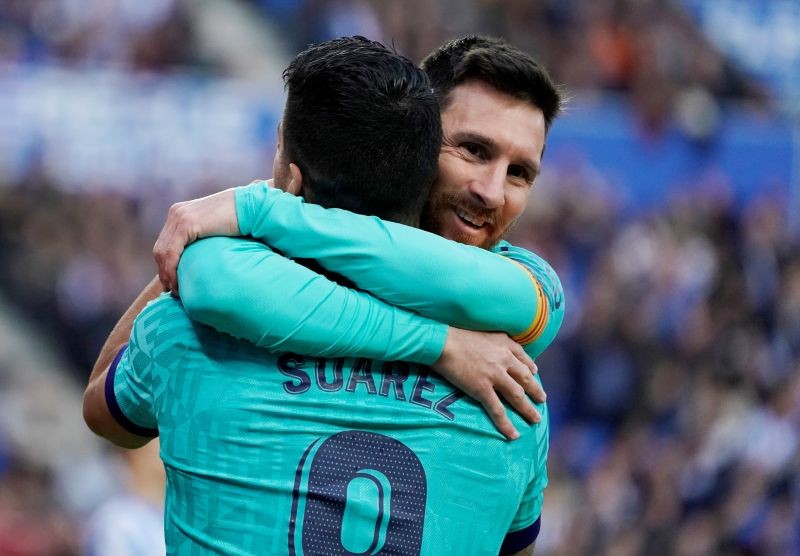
[[670, 206]]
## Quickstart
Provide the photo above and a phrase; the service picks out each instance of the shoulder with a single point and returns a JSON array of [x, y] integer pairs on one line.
[[163, 309], [161, 323]]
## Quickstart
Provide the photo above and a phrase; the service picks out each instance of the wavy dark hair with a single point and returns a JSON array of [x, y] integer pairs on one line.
[[496, 63]]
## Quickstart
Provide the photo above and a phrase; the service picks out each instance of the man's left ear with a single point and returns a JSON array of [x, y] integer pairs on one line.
[[296, 185]]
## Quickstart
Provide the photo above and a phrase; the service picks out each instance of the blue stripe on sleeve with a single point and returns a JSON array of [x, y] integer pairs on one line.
[[113, 405], [516, 541]]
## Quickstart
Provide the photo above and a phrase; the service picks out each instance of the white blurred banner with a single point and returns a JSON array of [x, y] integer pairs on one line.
[[100, 130]]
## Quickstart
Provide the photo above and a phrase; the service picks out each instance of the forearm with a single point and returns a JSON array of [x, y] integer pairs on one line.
[[243, 288], [122, 330], [95, 409], [440, 279]]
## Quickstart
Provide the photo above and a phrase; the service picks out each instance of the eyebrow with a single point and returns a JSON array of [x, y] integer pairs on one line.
[[475, 137]]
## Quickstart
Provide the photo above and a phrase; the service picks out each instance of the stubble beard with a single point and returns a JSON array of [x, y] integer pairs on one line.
[[437, 206]]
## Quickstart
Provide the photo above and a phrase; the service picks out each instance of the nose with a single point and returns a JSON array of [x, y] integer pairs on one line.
[[489, 187]]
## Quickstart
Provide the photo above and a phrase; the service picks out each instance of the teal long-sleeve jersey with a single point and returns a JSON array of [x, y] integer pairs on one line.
[[270, 453], [281, 453]]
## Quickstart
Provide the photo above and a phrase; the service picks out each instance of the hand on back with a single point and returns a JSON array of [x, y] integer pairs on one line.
[[214, 215], [488, 365]]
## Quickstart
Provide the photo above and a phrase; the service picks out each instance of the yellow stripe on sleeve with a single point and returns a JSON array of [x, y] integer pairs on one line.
[[539, 323]]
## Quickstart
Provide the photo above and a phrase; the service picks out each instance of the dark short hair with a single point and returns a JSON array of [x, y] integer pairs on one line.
[[362, 123], [496, 63]]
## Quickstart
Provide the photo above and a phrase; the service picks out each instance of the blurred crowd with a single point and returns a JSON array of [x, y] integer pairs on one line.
[[674, 387], [150, 35], [649, 49]]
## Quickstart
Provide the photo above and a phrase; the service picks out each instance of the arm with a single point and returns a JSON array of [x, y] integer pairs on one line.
[[476, 289], [511, 289], [463, 285], [244, 288], [95, 409], [121, 407], [122, 330]]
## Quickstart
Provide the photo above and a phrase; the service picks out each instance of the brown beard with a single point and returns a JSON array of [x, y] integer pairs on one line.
[[437, 205]]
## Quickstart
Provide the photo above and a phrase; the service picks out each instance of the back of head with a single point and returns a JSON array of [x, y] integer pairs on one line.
[[496, 63], [362, 124]]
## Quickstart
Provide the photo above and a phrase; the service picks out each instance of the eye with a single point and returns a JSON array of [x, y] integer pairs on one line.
[[517, 171], [473, 148]]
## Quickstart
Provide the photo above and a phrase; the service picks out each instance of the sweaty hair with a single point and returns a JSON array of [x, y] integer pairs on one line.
[[362, 124], [496, 63]]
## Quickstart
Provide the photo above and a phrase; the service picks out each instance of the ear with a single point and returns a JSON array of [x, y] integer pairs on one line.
[[296, 185]]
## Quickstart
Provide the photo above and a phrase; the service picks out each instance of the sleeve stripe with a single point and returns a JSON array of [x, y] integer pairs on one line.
[[516, 541], [113, 404], [540, 318]]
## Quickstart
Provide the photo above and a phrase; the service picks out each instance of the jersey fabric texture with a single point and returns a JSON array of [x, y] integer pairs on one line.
[[288, 454]]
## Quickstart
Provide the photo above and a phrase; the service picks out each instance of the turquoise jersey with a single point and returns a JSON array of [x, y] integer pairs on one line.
[[238, 286], [277, 453]]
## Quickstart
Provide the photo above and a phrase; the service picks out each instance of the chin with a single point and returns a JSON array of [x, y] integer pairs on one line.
[[468, 239]]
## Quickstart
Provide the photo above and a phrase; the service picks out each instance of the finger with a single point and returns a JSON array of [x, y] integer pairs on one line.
[[164, 279], [497, 413], [160, 256], [526, 360], [524, 378], [162, 275], [171, 267], [514, 394]]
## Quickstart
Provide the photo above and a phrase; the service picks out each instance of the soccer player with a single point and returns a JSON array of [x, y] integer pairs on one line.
[[397, 491], [486, 181]]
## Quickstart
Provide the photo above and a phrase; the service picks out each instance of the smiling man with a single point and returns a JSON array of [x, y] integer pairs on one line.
[[473, 500], [492, 146]]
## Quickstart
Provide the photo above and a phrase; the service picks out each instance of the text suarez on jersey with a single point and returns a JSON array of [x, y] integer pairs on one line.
[[330, 375]]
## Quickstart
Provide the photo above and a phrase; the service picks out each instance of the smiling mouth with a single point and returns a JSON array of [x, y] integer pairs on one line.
[[471, 221]]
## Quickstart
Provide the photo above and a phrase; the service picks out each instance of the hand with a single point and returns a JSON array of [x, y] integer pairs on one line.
[[486, 365], [189, 221]]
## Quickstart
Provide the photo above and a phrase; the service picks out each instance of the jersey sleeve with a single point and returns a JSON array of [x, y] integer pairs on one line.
[[243, 288], [526, 524], [547, 320], [458, 284], [134, 379]]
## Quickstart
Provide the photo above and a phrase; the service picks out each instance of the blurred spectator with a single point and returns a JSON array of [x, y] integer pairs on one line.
[[134, 34], [30, 523], [650, 49], [132, 522]]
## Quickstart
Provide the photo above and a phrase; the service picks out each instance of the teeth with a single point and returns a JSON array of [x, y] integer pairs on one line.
[[471, 219]]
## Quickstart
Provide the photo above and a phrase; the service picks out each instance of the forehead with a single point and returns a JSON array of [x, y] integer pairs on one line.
[[513, 124]]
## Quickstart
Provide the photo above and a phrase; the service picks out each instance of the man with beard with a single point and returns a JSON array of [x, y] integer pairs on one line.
[[496, 107]]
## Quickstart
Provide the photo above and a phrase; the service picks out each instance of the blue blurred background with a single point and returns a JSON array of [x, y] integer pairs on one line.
[[669, 205]]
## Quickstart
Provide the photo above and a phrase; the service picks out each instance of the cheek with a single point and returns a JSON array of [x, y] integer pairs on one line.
[[516, 201], [451, 171]]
